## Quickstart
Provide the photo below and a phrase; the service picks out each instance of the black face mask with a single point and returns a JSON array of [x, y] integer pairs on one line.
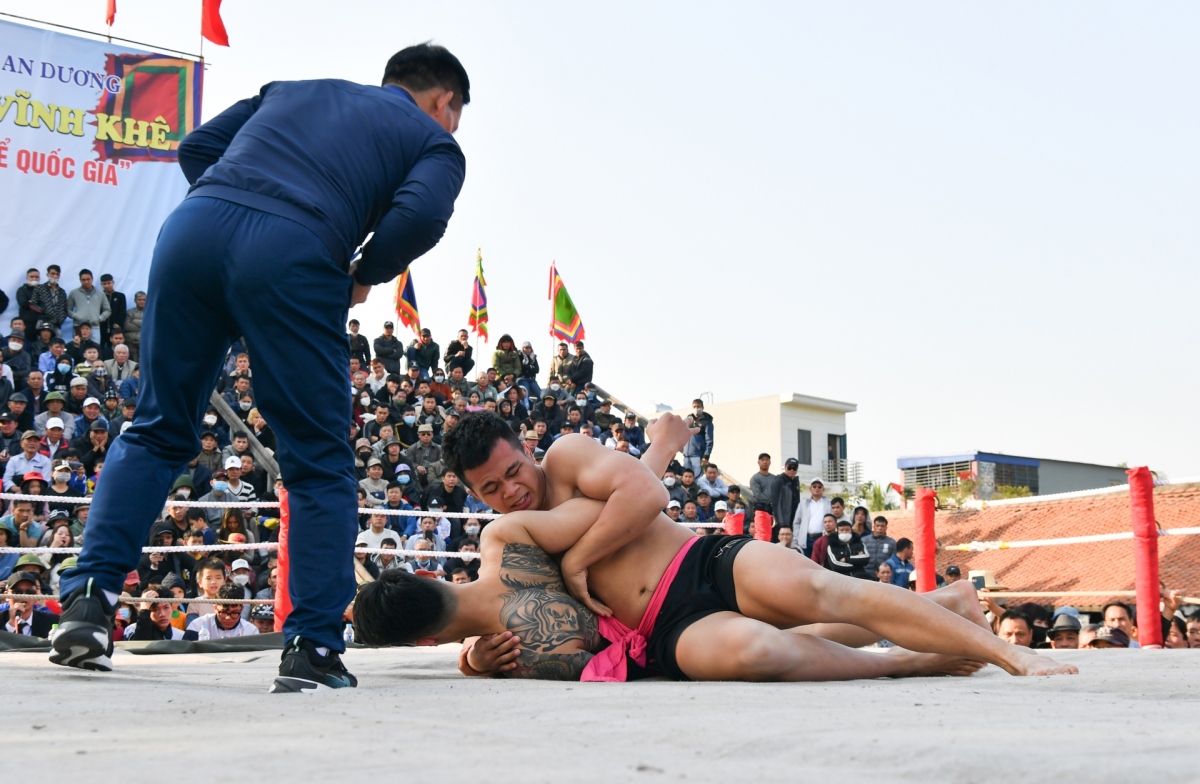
[[1039, 635]]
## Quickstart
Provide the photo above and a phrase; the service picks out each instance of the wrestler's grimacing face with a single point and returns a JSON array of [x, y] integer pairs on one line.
[[508, 481]]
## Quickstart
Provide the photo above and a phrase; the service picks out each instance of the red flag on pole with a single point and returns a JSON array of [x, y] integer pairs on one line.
[[112, 12], [211, 26]]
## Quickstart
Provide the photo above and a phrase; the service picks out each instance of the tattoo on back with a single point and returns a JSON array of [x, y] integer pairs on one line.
[[538, 608]]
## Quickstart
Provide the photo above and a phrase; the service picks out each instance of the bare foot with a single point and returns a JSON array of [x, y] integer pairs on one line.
[[966, 603], [1029, 663], [912, 664]]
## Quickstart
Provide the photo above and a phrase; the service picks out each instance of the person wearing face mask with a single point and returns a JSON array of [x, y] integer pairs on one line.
[[60, 487], [241, 575], [16, 358], [845, 552], [427, 563], [700, 446], [675, 491], [406, 429], [33, 278]]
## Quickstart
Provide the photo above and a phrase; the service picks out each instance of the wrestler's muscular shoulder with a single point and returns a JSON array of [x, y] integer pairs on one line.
[[564, 461], [558, 634]]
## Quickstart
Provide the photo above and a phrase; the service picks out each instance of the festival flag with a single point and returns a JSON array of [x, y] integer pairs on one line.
[[479, 315], [564, 318], [112, 12], [406, 302], [211, 26]]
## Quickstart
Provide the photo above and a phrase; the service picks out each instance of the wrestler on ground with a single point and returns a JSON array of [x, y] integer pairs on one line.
[[703, 608]]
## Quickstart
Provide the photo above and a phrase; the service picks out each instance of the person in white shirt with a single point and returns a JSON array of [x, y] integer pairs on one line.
[[374, 536], [226, 621], [808, 523]]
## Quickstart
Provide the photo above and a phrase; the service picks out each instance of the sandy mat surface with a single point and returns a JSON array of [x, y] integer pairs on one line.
[[1129, 716]]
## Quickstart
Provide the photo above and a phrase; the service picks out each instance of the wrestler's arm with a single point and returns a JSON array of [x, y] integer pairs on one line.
[[631, 488]]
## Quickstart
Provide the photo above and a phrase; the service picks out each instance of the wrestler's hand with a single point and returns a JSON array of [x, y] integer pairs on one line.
[[670, 431], [490, 653], [360, 294], [575, 578]]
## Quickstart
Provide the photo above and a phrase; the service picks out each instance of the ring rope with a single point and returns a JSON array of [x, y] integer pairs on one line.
[[27, 597], [977, 547]]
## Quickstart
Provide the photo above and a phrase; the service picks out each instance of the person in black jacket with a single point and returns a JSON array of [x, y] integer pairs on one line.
[[458, 353], [846, 554], [20, 617], [118, 306], [388, 349], [448, 493], [33, 279], [360, 348], [154, 620], [580, 373]]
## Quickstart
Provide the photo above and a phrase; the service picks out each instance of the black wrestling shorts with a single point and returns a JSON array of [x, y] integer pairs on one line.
[[703, 586]]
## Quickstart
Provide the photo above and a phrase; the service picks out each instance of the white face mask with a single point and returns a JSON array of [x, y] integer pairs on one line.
[[60, 477], [241, 579], [669, 481], [245, 406], [366, 401], [697, 411], [472, 530], [555, 387], [210, 420], [184, 493], [845, 537], [15, 346]]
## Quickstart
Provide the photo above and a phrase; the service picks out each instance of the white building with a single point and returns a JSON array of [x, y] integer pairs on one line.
[[810, 429]]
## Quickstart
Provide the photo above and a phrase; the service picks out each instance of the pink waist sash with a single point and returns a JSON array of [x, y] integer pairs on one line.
[[610, 664]]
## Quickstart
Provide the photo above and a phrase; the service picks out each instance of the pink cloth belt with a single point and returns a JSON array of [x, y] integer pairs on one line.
[[610, 664]]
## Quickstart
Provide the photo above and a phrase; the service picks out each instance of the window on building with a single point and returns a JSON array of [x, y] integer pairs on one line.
[[804, 447], [837, 447], [1017, 476]]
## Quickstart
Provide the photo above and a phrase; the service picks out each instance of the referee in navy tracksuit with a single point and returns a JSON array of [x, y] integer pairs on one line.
[[285, 186]]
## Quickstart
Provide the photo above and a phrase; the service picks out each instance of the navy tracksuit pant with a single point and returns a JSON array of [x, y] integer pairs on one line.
[[221, 270]]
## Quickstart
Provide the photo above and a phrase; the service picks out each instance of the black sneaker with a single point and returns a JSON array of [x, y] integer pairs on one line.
[[303, 669], [84, 637]]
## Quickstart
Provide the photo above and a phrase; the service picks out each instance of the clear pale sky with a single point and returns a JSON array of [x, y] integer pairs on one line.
[[979, 223]]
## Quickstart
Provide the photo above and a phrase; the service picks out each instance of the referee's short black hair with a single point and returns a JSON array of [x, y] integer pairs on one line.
[[425, 66]]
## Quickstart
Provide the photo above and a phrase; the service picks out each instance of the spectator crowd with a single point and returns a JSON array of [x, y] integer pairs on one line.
[[69, 388]]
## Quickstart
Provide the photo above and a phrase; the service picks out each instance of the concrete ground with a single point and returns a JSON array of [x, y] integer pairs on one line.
[[1128, 716]]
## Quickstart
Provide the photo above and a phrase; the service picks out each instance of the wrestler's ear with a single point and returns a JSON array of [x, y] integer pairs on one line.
[[428, 641]]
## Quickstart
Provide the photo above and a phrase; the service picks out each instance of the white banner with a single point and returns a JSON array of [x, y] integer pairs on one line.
[[88, 138]]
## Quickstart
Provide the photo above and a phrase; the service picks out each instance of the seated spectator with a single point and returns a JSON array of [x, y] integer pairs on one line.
[[20, 616], [884, 573], [225, 620], [674, 510], [427, 563], [154, 619], [711, 481], [1118, 615], [1107, 637], [377, 532], [365, 561], [469, 566], [845, 554], [210, 577], [1016, 628], [821, 545], [263, 618], [374, 485], [460, 577], [386, 561], [785, 537], [449, 493], [241, 575], [704, 507], [690, 515], [1064, 633]]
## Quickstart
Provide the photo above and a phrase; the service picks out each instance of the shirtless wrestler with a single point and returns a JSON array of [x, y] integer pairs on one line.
[[703, 608]]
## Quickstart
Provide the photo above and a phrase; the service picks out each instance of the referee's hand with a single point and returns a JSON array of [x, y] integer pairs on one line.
[[360, 294]]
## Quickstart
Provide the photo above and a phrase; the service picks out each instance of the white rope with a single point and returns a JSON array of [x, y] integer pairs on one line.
[[978, 547], [26, 597], [436, 554], [256, 504]]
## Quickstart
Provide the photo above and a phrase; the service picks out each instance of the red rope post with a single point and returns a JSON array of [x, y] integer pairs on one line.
[[735, 523], [283, 600], [762, 525], [1145, 556], [924, 541]]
